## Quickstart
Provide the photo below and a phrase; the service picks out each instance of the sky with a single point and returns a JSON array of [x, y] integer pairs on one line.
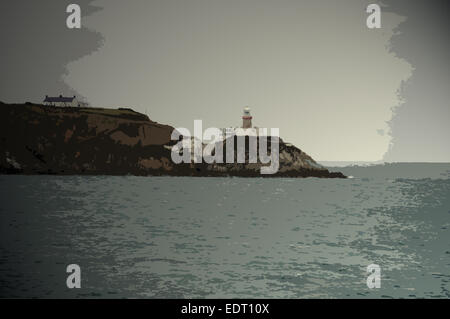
[[336, 89]]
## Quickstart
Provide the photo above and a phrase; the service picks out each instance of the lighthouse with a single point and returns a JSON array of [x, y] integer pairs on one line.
[[246, 118]]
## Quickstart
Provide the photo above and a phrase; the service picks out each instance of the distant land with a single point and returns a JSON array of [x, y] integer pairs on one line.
[[369, 164], [348, 163], [401, 170], [40, 139]]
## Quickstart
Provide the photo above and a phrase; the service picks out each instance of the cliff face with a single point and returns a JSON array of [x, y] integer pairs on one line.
[[37, 139]]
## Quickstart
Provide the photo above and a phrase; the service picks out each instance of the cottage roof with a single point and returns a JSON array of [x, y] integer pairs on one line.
[[64, 99]]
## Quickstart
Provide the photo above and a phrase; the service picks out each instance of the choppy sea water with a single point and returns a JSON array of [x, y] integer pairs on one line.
[[178, 237]]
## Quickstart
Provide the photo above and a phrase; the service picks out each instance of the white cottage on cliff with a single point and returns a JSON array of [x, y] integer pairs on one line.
[[71, 101]]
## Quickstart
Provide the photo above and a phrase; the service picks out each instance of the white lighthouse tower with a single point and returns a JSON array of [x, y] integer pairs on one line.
[[247, 118]]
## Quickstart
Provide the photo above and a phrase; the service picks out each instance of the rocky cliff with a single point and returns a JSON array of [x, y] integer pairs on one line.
[[37, 139]]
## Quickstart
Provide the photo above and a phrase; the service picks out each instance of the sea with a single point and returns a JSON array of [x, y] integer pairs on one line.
[[186, 237]]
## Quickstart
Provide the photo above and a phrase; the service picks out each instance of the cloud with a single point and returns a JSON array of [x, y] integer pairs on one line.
[[419, 127], [37, 46]]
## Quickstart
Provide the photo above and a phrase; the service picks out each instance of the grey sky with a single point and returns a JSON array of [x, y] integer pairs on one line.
[[311, 68]]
